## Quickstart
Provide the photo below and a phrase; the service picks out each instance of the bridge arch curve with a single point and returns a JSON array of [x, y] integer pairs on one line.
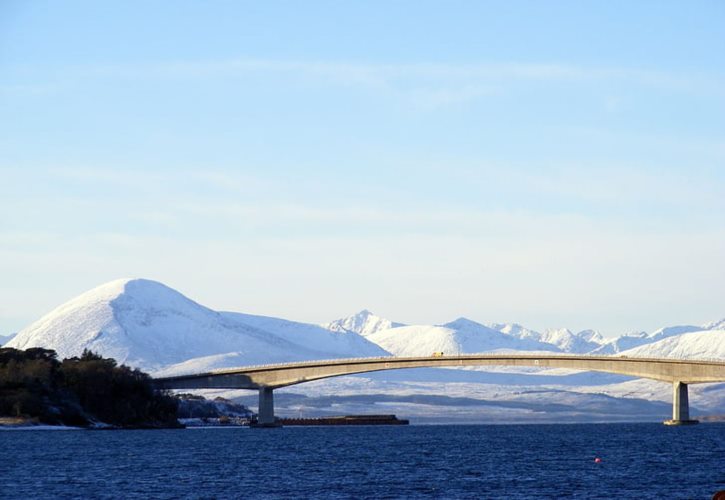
[[269, 377]]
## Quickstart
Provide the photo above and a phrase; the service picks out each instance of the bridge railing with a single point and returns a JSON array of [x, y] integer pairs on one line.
[[528, 354]]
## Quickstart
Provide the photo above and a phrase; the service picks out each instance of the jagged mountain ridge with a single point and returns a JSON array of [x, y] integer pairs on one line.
[[562, 338], [368, 324], [622, 343], [364, 323], [461, 336], [592, 342]]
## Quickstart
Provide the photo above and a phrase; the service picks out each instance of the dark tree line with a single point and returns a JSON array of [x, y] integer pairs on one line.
[[80, 390]]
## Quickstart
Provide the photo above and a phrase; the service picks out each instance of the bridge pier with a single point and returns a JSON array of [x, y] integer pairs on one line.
[[680, 406], [265, 413]]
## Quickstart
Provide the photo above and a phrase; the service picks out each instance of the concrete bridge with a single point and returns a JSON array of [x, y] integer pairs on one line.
[[680, 373]]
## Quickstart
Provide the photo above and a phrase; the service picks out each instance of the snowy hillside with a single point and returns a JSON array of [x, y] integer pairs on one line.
[[338, 342], [708, 344], [670, 331], [515, 330], [631, 341], [591, 342], [149, 325], [579, 343], [459, 336], [364, 323], [623, 343]]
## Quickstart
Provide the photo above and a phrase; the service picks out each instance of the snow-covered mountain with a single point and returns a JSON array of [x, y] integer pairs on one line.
[[623, 343], [515, 330], [715, 325], [591, 342], [459, 336], [633, 340], [707, 344], [579, 343], [364, 323], [563, 339], [149, 325]]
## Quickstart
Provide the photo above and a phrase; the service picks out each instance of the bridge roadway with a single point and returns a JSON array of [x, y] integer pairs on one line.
[[266, 378]]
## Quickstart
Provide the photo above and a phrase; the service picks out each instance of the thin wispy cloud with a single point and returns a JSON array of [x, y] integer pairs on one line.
[[381, 75], [166, 198], [431, 82]]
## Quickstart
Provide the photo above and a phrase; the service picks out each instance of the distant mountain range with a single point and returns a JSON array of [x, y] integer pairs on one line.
[[148, 325], [363, 323], [466, 336], [4, 339]]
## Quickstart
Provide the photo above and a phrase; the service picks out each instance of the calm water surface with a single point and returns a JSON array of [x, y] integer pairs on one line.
[[517, 461]]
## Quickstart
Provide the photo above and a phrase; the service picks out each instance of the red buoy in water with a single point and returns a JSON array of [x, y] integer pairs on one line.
[[597, 460]]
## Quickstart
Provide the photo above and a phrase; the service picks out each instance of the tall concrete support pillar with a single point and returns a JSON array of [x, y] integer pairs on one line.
[[680, 405], [680, 402], [265, 414]]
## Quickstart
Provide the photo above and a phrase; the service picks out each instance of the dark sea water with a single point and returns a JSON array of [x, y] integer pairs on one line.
[[501, 461]]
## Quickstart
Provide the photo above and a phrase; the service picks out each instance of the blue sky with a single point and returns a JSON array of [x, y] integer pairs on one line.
[[550, 163]]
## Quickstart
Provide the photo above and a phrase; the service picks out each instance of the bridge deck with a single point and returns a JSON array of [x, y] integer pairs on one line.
[[280, 375]]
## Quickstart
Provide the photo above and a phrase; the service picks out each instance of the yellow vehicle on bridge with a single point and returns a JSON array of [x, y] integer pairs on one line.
[[438, 354]]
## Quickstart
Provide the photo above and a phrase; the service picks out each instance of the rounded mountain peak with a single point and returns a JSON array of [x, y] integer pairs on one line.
[[102, 318], [118, 287], [462, 323]]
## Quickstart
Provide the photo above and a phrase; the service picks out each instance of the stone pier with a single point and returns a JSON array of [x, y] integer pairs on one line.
[[680, 406], [265, 414]]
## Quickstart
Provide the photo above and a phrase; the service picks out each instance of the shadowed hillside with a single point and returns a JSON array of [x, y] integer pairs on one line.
[[80, 391]]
